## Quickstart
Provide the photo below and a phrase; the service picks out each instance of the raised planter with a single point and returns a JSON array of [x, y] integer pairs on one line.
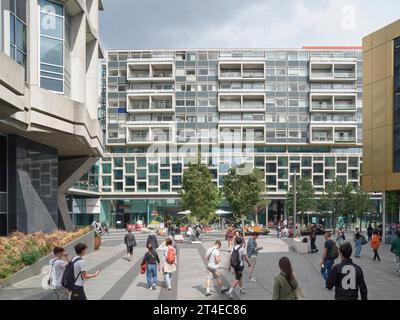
[[97, 242], [36, 268]]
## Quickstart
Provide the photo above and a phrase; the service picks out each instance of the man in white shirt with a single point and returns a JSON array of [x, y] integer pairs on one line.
[[213, 259], [57, 266]]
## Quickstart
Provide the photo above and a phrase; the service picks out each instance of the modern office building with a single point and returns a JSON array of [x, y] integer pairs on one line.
[[282, 111], [49, 131], [381, 87]]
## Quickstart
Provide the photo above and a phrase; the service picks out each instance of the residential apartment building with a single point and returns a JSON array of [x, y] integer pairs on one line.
[[49, 131], [286, 112], [381, 87]]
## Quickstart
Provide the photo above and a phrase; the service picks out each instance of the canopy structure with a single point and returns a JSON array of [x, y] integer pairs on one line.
[[184, 212]]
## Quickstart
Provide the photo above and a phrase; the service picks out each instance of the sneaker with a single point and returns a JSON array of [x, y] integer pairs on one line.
[[208, 293], [242, 291], [252, 279], [154, 287], [224, 290], [169, 288], [229, 294]]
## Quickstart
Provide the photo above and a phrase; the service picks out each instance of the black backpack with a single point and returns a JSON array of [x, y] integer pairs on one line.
[[235, 259], [68, 279]]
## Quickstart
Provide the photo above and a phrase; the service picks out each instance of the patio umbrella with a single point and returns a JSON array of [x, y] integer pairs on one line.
[[220, 212], [183, 212]]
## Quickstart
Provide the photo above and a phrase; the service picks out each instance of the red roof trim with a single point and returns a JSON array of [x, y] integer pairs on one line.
[[333, 47]]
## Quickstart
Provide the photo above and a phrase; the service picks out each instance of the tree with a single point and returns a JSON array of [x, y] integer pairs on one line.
[[360, 203], [199, 194], [243, 192], [334, 198], [304, 197]]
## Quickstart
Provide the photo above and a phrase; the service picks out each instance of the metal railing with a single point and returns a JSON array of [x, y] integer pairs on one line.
[[161, 104], [139, 74], [230, 105], [253, 105], [344, 74], [321, 106], [345, 106], [321, 74], [253, 74], [139, 105], [345, 138], [162, 74], [138, 137], [230, 74]]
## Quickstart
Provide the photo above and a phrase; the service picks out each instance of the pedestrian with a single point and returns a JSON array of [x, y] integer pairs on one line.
[[130, 242], [58, 264], [285, 232], [370, 231], [327, 256], [213, 259], [169, 261], [152, 239], [347, 277], [80, 273], [152, 262], [357, 243], [238, 257], [313, 238], [375, 243], [285, 283], [395, 249], [229, 238], [189, 234], [252, 252], [340, 239], [278, 230]]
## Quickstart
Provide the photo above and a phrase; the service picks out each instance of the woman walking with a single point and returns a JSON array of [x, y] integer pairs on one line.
[[152, 262], [375, 244], [229, 238], [285, 283], [130, 242], [169, 261]]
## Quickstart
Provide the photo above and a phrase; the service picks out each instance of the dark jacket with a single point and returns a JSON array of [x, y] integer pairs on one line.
[[347, 278], [153, 240], [151, 258], [130, 240], [313, 234]]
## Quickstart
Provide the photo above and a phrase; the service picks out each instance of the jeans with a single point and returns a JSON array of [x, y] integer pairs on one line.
[[313, 246], [376, 255], [278, 234], [328, 263], [168, 277], [358, 246], [151, 275]]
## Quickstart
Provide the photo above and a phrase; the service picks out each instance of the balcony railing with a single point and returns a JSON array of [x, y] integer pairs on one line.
[[253, 74], [161, 137], [139, 105], [322, 106], [344, 74], [161, 104], [253, 137], [345, 106], [321, 74], [230, 105], [322, 138], [230, 74], [339, 138], [157, 87], [162, 74], [140, 74], [138, 137], [253, 105]]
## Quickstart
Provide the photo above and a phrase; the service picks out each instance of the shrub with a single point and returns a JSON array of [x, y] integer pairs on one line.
[[30, 257]]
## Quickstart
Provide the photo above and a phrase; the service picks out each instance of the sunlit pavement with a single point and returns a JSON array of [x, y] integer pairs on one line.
[[121, 279]]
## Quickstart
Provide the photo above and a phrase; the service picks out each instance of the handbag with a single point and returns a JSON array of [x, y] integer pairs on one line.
[[143, 267], [363, 240], [298, 292]]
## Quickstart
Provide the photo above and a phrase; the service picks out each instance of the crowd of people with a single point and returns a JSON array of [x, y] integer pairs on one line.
[[67, 277]]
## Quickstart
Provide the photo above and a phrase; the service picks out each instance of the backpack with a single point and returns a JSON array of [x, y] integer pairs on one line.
[[334, 252], [235, 259], [68, 279], [171, 256]]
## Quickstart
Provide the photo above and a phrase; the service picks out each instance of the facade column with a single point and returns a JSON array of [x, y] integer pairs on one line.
[[383, 217]]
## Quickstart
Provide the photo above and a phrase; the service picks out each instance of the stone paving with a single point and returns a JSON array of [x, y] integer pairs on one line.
[[121, 279]]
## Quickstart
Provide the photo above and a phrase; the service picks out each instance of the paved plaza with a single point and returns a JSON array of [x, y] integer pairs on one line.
[[121, 280]]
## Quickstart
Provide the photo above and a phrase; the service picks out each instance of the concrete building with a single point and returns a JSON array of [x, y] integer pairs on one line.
[[282, 111], [381, 88], [49, 132]]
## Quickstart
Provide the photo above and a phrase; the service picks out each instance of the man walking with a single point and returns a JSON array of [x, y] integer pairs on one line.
[[347, 277], [213, 259], [252, 252], [395, 249], [58, 264], [313, 238], [80, 273], [130, 242], [357, 243], [238, 257], [327, 258]]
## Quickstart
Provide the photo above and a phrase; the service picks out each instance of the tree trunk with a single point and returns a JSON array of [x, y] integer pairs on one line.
[[256, 214], [361, 216], [242, 225]]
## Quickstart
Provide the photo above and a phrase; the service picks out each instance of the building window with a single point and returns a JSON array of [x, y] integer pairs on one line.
[[18, 38], [397, 105], [55, 47]]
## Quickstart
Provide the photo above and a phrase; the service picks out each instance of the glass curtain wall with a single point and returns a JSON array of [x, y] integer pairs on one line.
[[18, 32]]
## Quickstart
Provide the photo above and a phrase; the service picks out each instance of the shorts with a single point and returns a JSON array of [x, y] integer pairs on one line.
[[129, 249], [238, 272], [213, 274], [61, 293]]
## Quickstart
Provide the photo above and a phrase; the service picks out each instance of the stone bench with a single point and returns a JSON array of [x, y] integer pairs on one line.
[[300, 246]]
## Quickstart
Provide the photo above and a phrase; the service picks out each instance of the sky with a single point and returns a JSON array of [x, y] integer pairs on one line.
[[152, 24]]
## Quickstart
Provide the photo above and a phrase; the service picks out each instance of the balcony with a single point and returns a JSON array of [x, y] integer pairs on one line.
[[330, 102], [241, 71], [152, 56], [345, 134], [149, 134], [138, 137], [333, 71], [241, 134], [230, 105], [242, 86], [158, 71], [242, 54], [253, 74], [152, 87], [150, 103], [241, 102], [321, 134], [230, 74], [344, 137]]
